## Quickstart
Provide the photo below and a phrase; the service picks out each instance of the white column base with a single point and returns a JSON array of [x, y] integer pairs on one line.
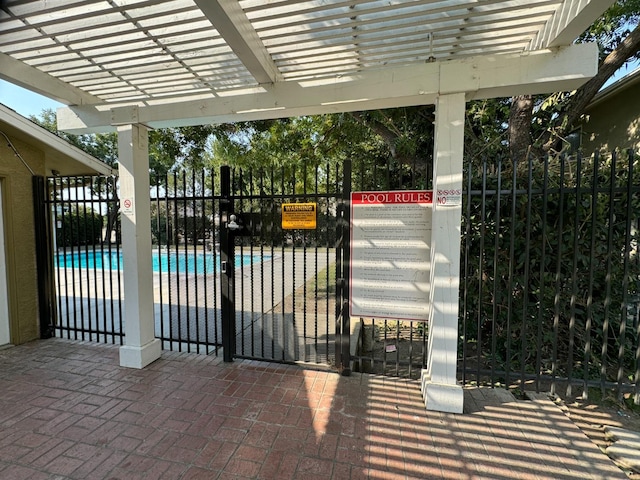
[[140, 357], [440, 397]]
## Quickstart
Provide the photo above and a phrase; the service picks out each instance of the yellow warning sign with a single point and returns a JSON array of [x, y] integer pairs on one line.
[[299, 216]]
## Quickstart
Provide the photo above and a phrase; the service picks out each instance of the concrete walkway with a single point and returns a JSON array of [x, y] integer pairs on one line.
[[68, 411]]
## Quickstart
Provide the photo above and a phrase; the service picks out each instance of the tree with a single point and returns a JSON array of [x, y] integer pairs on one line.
[[617, 33], [104, 147]]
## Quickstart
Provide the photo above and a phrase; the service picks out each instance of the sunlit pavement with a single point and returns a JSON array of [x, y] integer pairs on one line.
[[68, 411]]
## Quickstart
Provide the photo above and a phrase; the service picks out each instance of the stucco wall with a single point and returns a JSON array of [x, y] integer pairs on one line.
[[20, 238], [614, 123]]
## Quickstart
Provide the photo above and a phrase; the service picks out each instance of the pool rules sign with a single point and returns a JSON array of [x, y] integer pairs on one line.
[[390, 254]]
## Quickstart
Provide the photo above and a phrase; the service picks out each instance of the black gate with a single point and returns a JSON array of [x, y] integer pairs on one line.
[[278, 285], [282, 293]]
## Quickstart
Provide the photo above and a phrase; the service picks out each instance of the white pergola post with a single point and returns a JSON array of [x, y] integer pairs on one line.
[[440, 389], [141, 347]]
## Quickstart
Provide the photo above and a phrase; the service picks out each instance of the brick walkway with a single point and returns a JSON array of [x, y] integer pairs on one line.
[[67, 411]]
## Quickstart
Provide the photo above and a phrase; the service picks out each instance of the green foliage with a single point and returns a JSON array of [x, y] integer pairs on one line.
[[102, 146], [554, 274], [486, 127], [178, 149], [613, 26], [79, 227]]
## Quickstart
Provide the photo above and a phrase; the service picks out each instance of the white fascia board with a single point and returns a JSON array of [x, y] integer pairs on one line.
[[478, 77], [23, 75], [570, 21]]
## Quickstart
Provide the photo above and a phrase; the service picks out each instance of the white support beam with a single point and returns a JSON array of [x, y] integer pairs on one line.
[[440, 389], [569, 22], [478, 77], [23, 75], [232, 23], [140, 345]]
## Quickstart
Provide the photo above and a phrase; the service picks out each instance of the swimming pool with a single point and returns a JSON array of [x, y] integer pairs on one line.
[[165, 262]]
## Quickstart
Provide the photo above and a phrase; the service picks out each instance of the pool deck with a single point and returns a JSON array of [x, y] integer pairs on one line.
[[68, 411]]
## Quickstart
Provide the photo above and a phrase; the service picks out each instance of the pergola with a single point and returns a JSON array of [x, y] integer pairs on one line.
[[131, 65]]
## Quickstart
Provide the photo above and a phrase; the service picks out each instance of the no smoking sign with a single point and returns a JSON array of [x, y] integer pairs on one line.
[[127, 206]]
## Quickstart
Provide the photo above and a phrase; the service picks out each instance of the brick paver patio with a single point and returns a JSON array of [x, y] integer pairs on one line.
[[68, 411]]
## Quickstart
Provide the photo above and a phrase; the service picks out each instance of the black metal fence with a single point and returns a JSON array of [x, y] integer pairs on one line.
[[285, 278], [82, 213], [549, 270]]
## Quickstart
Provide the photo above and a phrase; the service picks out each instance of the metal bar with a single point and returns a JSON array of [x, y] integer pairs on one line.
[[86, 299], [176, 278], [73, 271], [262, 241], [510, 288], [237, 185], [159, 241], [81, 283], [558, 277], [624, 313], [284, 292], [171, 239], [293, 276], [210, 225], [103, 201], [315, 266], [196, 241], [339, 279], [227, 274], [526, 280], [574, 276], [57, 228], [43, 257], [589, 309], [252, 269], [608, 280], [116, 205], [103, 188], [327, 275], [543, 246], [346, 225], [93, 249], [304, 270], [67, 231], [273, 308], [496, 275], [483, 228], [465, 283], [185, 241], [216, 264]]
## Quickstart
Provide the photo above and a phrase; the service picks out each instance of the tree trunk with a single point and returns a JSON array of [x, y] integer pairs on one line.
[[520, 127]]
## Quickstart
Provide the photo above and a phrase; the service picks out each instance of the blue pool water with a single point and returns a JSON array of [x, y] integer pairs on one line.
[[165, 262]]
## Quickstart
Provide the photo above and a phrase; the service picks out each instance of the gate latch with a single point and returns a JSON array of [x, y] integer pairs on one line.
[[232, 225], [223, 266]]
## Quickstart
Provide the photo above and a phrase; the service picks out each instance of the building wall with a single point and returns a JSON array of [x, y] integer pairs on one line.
[[20, 238], [614, 123]]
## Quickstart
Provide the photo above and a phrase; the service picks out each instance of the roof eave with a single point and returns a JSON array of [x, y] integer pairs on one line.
[[62, 158]]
